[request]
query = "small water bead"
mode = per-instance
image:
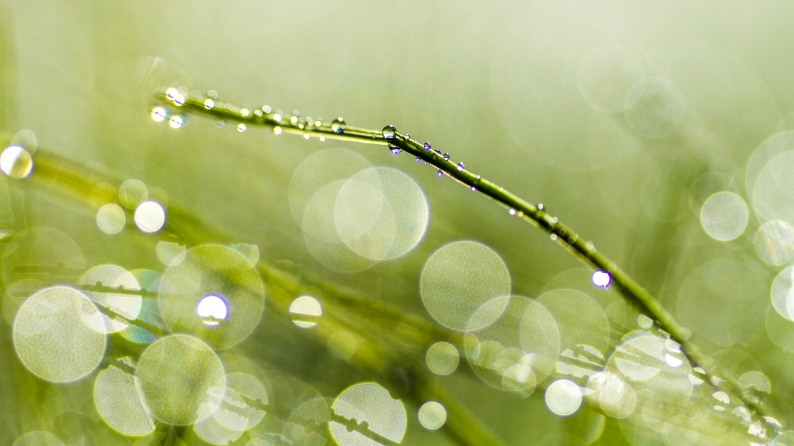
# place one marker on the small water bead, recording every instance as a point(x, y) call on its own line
point(440, 173)
point(229, 107)
point(171, 93)
point(176, 122)
point(306, 136)
point(16, 162)
point(446, 156)
point(212, 94)
point(395, 150)
point(432, 415)
point(338, 125)
point(426, 145)
point(293, 120)
point(209, 103)
point(179, 100)
point(553, 237)
point(213, 309)
point(418, 159)
point(601, 278)
point(244, 112)
point(278, 116)
point(277, 130)
point(389, 131)
point(158, 114)
point(220, 123)
point(266, 109)
point(541, 207)
point(474, 188)
point(511, 211)
point(241, 127)
point(461, 166)
point(407, 137)
point(322, 138)
point(258, 113)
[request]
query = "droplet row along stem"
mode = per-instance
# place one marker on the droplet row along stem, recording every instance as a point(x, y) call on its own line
point(634, 293)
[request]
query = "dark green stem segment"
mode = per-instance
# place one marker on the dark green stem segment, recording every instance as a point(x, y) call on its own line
point(633, 292)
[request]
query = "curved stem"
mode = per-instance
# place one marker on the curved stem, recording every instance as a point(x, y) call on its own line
point(633, 292)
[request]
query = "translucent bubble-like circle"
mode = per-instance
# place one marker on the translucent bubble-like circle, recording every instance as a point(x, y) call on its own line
point(55, 334)
point(111, 219)
point(563, 397)
point(38, 438)
point(432, 415)
point(176, 374)
point(371, 403)
point(606, 75)
point(149, 216)
point(723, 300)
point(317, 171)
point(305, 310)
point(118, 403)
point(222, 272)
point(785, 438)
point(658, 107)
point(774, 242)
point(724, 216)
point(125, 304)
point(615, 396)
point(381, 213)
point(458, 278)
point(771, 148)
point(442, 358)
point(132, 193)
point(772, 191)
point(225, 425)
point(16, 162)
point(782, 293)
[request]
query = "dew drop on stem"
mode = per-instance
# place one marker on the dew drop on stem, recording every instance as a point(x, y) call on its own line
point(389, 131)
point(338, 125)
point(446, 156)
point(426, 145)
point(440, 173)
point(461, 166)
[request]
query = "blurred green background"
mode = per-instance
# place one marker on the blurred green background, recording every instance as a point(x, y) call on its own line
point(623, 118)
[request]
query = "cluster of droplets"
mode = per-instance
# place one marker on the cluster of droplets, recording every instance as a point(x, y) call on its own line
point(390, 133)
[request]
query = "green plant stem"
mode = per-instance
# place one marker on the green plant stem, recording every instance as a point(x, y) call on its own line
point(636, 295)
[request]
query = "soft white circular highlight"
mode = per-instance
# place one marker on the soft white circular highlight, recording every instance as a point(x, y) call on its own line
point(601, 278)
point(56, 337)
point(371, 403)
point(563, 397)
point(432, 415)
point(442, 358)
point(111, 219)
point(724, 216)
point(213, 309)
point(118, 403)
point(460, 277)
point(305, 311)
point(16, 162)
point(150, 216)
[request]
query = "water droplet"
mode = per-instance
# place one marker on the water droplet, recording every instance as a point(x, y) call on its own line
point(306, 136)
point(590, 246)
point(322, 138)
point(338, 125)
point(511, 211)
point(16, 162)
point(407, 137)
point(440, 173)
point(229, 107)
point(179, 100)
point(244, 112)
point(258, 112)
point(541, 207)
point(554, 219)
point(209, 103)
point(241, 127)
point(389, 131)
point(601, 278)
point(158, 114)
point(277, 130)
point(220, 123)
point(426, 145)
point(461, 166)
point(266, 109)
point(279, 115)
point(176, 122)
point(293, 120)
point(520, 213)
point(446, 156)
point(296, 113)
point(553, 237)
point(212, 94)
point(418, 159)
point(474, 188)
point(394, 149)
point(171, 93)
